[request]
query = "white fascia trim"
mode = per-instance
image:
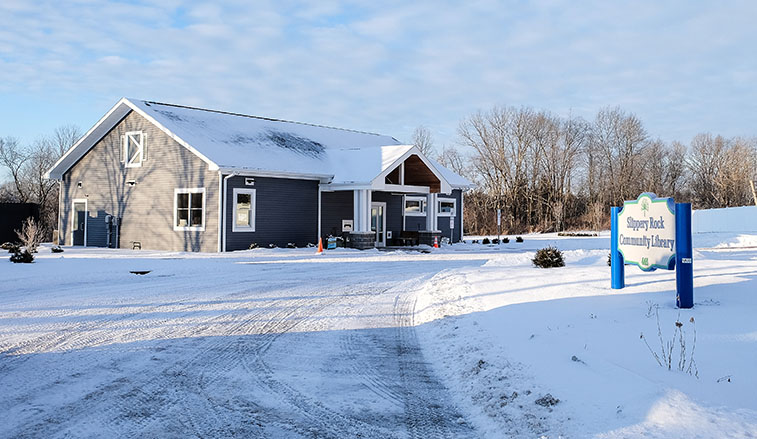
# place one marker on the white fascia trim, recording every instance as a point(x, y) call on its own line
point(212, 166)
point(194, 190)
point(323, 178)
point(331, 187)
point(445, 186)
point(401, 188)
point(51, 173)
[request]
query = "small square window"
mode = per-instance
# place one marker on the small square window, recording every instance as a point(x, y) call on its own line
point(244, 210)
point(447, 207)
point(189, 209)
point(415, 206)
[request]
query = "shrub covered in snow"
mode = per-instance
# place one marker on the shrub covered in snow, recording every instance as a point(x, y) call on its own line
point(30, 235)
point(548, 257)
point(253, 246)
point(22, 255)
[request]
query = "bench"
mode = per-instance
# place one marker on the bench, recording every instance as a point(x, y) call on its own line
point(407, 238)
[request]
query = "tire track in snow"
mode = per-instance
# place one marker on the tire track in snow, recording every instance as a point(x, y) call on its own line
point(322, 421)
point(427, 408)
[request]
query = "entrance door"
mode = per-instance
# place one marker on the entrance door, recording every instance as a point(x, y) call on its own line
point(378, 223)
point(79, 223)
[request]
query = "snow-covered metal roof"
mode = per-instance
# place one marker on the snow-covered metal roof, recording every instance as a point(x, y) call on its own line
point(236, 142)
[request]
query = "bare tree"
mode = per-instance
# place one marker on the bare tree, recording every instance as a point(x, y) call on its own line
point(27, 167)
point(64, 137)
point(13, 158)
point(454, 160)
point(423, 139)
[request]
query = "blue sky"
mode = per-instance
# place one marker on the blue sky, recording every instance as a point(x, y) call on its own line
point(682, 66)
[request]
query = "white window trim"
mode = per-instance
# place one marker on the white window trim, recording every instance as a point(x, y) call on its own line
point(176, 192)
point(253, 203)
point(138, 138)
point(423, 206)
point(446, 200)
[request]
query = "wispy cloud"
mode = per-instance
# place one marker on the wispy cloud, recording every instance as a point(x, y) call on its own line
point(682, 66)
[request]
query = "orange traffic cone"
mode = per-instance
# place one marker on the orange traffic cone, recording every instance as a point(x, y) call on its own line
point(320, 246)
point(436, 242)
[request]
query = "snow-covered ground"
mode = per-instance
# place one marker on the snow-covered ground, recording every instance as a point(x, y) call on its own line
point(505, 334)
point(460, 342)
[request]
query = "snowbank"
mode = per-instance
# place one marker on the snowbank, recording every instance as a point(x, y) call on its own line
point(731, 219)
point(506, 335)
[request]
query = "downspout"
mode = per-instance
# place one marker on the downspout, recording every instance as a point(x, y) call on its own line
point(60, 210)
point(220, 210)
point(319, 210)
point(223, 211)
point(462, 209)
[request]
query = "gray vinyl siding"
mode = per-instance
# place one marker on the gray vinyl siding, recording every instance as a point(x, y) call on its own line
point(147, 208)
point(286, 211)
point(335, 207)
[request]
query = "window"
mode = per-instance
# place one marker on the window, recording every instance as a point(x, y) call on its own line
point(415, 206)
point(244, 210)
point(133, 149)
point(447, 207)
point(189, 209)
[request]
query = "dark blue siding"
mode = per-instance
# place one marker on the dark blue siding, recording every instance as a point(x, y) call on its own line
point(415, 223)
point(286, 211)
point(335, 207)
point(443, 221)
point(393, 211)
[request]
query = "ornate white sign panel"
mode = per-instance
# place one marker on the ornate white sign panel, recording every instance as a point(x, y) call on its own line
point(647, 232)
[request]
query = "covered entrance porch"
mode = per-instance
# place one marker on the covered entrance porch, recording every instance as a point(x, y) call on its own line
point(400, 207)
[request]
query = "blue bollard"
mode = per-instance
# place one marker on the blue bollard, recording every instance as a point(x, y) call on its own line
point(618, 277)
point(684, 257)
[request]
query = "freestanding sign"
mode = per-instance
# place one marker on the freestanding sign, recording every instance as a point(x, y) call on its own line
point(647, 232)
point(652, 233)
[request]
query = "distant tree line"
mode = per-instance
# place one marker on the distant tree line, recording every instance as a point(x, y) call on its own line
point(545, 172)
point(26, 165)
point(552, 173)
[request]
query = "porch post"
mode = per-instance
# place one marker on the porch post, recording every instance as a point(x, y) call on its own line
point(427, 236)
point(361, 235)
point(431, 218)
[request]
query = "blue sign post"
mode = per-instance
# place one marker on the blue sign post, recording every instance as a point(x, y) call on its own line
point(616, 259)
point(653, 233)
point(684, 257)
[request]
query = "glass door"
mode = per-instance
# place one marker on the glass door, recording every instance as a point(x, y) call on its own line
point(378, 223)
